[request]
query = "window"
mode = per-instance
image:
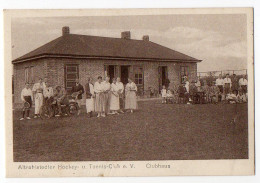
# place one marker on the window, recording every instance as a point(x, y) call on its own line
point(138, 73)
point(71, 74)
point(29, 74)
point(184, 73)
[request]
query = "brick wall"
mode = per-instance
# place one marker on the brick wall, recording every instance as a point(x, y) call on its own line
point(39, 71)
point(53, 69)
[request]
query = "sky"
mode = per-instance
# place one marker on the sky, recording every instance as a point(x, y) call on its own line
point(219, 40)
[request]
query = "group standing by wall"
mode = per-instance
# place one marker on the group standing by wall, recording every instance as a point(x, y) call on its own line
point(103, 98)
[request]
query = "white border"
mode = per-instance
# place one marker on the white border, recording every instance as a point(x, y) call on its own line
point(137, 4)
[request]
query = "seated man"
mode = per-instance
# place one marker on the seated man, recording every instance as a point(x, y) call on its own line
point(183, 94)
point(193, 92)
point(241, 97)
point(60, 96)
point(231, 98)
point(214, 94)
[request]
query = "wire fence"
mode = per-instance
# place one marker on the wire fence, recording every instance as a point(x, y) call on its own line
point(223, 72)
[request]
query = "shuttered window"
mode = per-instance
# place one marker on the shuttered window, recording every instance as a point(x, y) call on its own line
point(71, 74)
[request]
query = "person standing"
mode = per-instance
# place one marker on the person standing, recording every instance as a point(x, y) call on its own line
point(114, 99)
point(80, 90)
point(130, 96)
point(26, 96)
point(89, 89)
point(47, 93)
point(235, 85)
point(243, 84)
point(38, 95)
point(220, 83)
point(120, 87)
point(99, 99)
point(227, 84)
point(106, 96)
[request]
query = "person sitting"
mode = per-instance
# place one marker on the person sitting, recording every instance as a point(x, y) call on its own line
point(61, 98)
point(183, 94)
point(231, 98)
point(164, 94)
point(241, 97)
point(198, 85)
point(214, 94)
point(193, 92)
point(206, 90)
point(169, 97)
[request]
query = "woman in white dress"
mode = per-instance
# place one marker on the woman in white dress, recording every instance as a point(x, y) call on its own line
point(130, 96)
point(114, 100)
point(99, 100)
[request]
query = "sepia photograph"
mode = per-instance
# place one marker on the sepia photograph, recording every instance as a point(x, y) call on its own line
point(130, 88)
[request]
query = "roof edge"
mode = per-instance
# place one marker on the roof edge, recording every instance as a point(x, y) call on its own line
point(99, 57)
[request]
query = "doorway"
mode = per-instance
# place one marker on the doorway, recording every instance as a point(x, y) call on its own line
point(124, 74)
point(111, 72)
point(163, 77)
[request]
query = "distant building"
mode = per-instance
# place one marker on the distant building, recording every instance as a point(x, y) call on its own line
point(73, 56)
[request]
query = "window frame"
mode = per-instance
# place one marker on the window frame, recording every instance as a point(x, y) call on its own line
point(138, 73)
point(29, 74)
point(66, 72)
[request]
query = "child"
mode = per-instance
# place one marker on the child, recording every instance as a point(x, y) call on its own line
point(169, 97)
point(164, 94)
point(241, 97)
point(231, 98)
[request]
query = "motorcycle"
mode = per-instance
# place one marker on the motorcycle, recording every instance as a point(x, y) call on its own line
point(51, 109)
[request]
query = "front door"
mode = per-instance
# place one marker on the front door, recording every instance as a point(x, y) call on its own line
point(124, 73)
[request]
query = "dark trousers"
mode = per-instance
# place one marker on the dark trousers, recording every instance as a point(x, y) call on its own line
point(27, 110)
point(220, 88)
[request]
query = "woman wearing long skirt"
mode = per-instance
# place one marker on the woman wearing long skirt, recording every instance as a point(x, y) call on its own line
point(99, 99)
point(130, 96)
point(114, 100)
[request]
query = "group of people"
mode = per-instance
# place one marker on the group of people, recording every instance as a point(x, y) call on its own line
point(229, 90)
point(103, 97)
point(106, 98)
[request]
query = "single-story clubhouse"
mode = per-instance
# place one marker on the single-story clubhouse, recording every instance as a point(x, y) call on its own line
point(73, 56)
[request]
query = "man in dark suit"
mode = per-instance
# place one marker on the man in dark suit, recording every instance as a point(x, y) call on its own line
point(78, 88)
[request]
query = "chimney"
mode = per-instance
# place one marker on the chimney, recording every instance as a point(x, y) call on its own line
point(65, 30)
point(126, 35)
point(145, 38)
